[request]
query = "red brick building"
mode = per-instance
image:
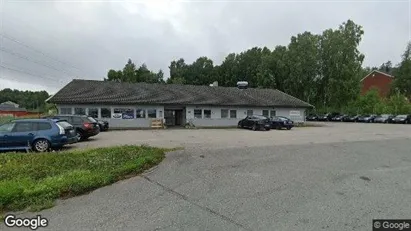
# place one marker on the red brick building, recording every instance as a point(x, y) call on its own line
point(379, 80)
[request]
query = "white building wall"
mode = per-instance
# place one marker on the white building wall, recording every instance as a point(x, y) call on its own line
point(297, 115)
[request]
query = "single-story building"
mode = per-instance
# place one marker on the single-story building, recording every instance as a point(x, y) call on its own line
point(135, 105)
point(13, 110)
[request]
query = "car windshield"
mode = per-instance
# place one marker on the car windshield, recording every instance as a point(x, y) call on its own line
point(401, 116)
point(6, 127)
point(92, 119)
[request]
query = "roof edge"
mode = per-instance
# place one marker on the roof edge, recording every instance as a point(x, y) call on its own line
point(391, 76)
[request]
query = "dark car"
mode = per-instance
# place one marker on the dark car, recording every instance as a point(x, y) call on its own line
point(402, 119)
point(327, 116)
point(255, 122)
point(85, 126)
point(312, 117)
point(367, 118)
point(339, 118)
point(39, 135)
point(280, 122)
point(104, 125)
point(324, 117)
point(351, 118)
point(384, 118)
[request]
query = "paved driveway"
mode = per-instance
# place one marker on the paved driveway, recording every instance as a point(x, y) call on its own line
point(334, 178)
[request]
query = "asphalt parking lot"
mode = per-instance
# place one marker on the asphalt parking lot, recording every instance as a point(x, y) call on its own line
point(232, 138)
point(337, 177)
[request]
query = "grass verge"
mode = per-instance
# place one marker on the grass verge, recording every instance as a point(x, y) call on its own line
point(35, 181)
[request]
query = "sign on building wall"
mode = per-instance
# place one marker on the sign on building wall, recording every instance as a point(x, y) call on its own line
point(295, 113)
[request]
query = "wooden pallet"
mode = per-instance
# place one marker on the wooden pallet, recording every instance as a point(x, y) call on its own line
point(157, 123)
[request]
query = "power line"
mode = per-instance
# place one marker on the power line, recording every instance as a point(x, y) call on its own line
point(36, 50)
point(28, 73)
point(28, 59)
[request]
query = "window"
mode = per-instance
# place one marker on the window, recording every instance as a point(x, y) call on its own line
point(65, 111)
point(233, 114)
point(265, 113)
point(207, 114)
point(105, 113)
point(43, 126)
point(23, 127)
point(79, 111)
point(123, 113)
point(93, 112)
point(198, 114)
point(6, 127)
point(64, 124)
point(77, 120)
point(273, 113)
point(152, 113)
point(224, 113)
point(140, 113)
point(249, 112)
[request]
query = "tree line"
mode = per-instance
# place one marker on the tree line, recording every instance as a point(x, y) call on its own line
point(31, 100)
point(323, 69)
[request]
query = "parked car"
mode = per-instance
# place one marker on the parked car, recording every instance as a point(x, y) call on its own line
point(280, 122)
point(384, 118)
point(85, 126)
point(367, 118)
point(104, 125)
point(402, 119)
point(255, 122)
point(312, 117)
point(328, 116)
point(39, 135)
point(351, 118)
point(339, 118)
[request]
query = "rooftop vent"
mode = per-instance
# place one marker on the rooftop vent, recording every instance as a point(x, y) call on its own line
point(242, 85)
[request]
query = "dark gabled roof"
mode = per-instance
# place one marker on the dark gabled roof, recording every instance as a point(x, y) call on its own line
point(106, 92)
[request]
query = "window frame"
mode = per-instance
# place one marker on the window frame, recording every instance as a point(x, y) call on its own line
point(82, 108)
point(204, 113)
point(148, 113)
point(108, 110)
point(230, 114)
point(268, 113)
point(66, 108)
point(271, 113)
point(141, 110)
point(250, 114)
point(196, 116)
point(17, 123)
point(227, 115)
point(92, 108)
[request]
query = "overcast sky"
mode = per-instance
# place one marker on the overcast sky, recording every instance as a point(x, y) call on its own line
point(46, 43)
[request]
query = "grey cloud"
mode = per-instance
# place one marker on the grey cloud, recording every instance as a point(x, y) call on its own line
point(95, 37)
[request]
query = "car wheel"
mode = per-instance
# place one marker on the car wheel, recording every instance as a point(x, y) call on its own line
point(239, 125)
point(254, 128)
point(267, 129)
point(288, 128)
point(79, 136)
point(41, 145)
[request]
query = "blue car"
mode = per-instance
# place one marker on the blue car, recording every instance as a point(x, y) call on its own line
point(39, 135)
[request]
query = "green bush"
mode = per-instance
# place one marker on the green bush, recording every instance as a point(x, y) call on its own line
point(35, 181)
